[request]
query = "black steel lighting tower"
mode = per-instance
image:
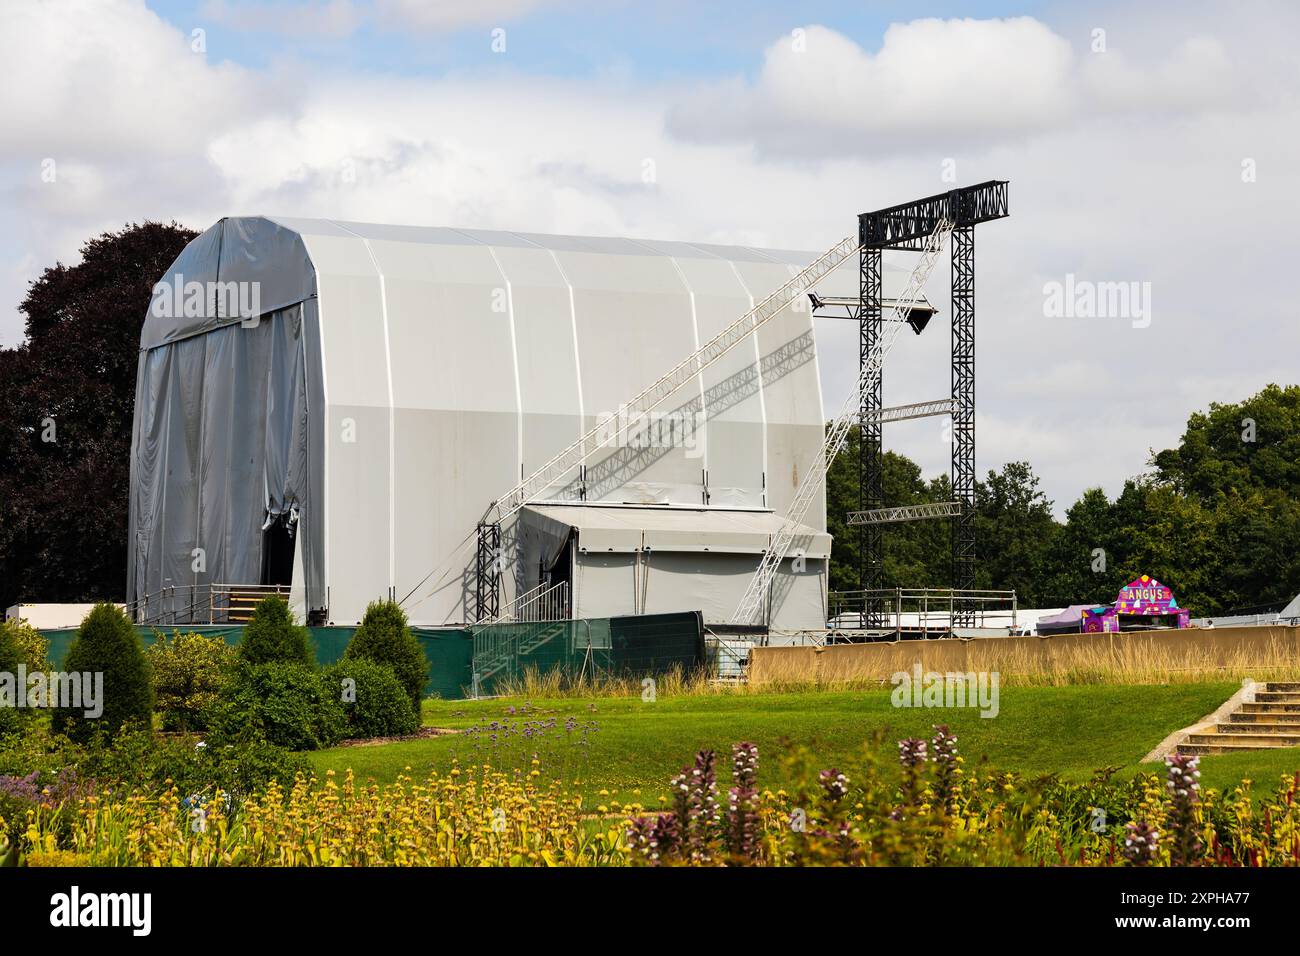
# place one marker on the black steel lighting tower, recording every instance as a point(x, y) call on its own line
point(906, 226)
point(871, 492)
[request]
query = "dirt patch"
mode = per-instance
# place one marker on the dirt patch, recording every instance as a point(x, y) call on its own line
point(421, 734)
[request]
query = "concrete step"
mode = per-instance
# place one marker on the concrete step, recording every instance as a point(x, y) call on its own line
point(1237, 729)
point(1269, 707)
point(1205, 750)
point(1286, 685)
point(1277, 697)
point(1289, 717)
point(1246, 740)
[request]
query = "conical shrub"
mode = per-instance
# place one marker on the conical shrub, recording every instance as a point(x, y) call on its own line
point(385, 638)
point(107, 643)
point(273, 635)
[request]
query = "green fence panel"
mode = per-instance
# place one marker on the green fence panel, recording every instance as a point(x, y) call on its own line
point(600, 647)
point(657, 643)
point(449, 650)
point(645, 645)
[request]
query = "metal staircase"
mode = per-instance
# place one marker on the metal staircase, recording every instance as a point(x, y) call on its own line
point(526, 625)
point(753, 606)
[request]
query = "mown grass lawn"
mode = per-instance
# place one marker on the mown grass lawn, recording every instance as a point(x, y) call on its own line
point(1068, 730)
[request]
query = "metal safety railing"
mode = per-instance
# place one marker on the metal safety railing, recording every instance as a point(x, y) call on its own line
point(201, 603)
point(921, 611)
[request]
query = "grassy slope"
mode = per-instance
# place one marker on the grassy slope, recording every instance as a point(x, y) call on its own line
point(1072, 730)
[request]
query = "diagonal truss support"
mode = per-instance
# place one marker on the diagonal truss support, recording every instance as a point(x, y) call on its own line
point(937, 509)
point(754, 604)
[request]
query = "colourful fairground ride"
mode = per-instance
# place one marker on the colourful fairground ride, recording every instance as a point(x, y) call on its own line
point(1142, 605)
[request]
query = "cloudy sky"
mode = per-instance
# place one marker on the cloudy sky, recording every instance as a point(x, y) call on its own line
point(1158, 146)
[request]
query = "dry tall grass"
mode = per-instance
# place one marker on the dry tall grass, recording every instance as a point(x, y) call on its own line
point(1018, 665)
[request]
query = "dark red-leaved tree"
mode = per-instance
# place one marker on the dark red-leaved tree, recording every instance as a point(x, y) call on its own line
point(66, 398)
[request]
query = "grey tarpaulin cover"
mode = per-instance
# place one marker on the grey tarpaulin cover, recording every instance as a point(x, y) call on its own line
point(221, 440)
point(400, 378)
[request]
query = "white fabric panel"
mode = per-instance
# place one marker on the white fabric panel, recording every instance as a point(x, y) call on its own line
point(546, 354)
point(731, 443)
point(799, 597)
point(634, 324)
point(357, 480)
point(605, 585)
point(791, 392)
point(712, 584)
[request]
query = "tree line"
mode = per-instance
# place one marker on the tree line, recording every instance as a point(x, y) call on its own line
point(1216, 518)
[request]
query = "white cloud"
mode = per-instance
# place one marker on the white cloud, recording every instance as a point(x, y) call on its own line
point(1148, 190)
point(939, 82)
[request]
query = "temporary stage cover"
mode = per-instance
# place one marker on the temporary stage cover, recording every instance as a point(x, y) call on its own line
point(335, 404)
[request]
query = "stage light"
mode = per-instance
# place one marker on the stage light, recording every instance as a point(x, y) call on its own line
point(918, 319)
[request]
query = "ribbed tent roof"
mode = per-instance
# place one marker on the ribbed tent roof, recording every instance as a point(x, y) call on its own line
point(269, 250)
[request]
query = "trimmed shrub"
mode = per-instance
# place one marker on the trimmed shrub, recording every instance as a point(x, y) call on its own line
point(194, 766)
point(287, 704)
point(107, 643)
point(374, 701)
point(11, 655)
point(32, 647)
point(273, 635)
point(189, 672)
point(385, 638)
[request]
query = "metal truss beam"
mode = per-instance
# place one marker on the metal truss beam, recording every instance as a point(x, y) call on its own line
point(849, 307)
point(938, 509)
point(871, 492)
point(902, 413)
point(487, 572)
point(906, 225)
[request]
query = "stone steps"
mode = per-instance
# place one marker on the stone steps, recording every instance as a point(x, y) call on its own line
point(1271, 722)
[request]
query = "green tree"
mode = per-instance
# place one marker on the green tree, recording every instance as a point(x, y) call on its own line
point(66, 398)
point(916, 554)
point(385, 638)
point(1084, 561)
point(189, 672)
point(375, 702)
point(273, 634)
point(31, 646)
point(1252, 444)
point(106, 643)
point(1013, 519)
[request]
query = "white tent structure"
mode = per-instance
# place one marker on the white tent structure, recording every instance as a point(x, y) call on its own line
point(333, 405)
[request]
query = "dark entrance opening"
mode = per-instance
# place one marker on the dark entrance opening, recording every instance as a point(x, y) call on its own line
point(562, 569)
point(278, 542)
